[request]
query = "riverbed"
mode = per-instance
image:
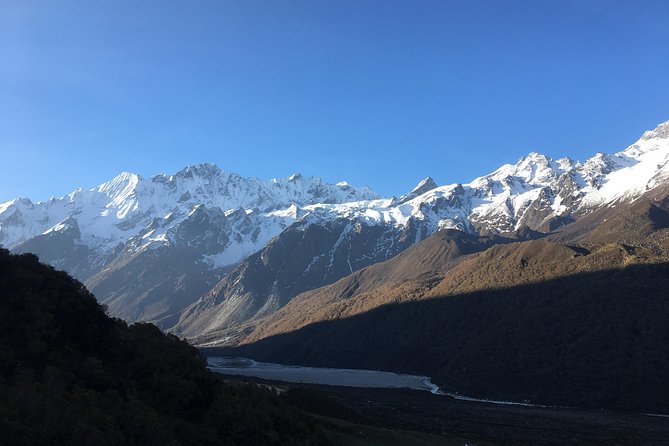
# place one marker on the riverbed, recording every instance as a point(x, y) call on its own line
point(319, 375)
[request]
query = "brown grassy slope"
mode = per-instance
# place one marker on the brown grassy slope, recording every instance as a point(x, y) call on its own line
point(402, 278)
point(535, 262)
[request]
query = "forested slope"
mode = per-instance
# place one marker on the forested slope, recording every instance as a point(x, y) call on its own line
point(69, 374)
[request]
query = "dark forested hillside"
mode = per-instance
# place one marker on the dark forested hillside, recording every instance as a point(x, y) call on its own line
point(69, 374)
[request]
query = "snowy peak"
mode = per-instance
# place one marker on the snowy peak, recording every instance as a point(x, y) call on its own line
point(202, 170)
point(121, 208)
point(532, 192)
point(651, 141)
point(566, 163)
point(660, 132)
point(534, 169)
point(123, 184)
point(537, 192)
point(426, 185)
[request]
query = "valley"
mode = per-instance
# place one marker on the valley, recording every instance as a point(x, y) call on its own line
point(213, 256)
point(334, 223)
point(542, 283)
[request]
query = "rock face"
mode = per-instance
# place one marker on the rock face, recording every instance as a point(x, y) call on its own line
point(305, 256)
point(209, 254)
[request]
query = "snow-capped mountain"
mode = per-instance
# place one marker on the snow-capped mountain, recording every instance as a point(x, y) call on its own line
point(121, 208)
point(170, 232)
point(535, 195)
point(207, 252)
point(537, 192)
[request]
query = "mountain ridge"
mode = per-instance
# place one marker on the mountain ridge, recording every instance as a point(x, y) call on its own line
point(528, 199)
point(181, 234)
point(178, 234)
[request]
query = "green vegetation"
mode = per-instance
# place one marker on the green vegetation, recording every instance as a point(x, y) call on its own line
point(69, 374)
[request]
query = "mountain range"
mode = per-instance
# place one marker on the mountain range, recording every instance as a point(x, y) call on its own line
point(220, 258)
point(148, 247)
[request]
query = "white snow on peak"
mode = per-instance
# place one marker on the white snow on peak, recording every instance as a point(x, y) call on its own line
point(531, 191)
point(533, 169)
point(425, 182)
point(566, 163)
point(63, 225)
point(424, 186)
point(252, 211)
point(121, 208)
point(659, 132)
point(639, 168)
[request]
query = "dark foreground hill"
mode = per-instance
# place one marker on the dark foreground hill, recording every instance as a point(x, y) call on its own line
point(69, 374)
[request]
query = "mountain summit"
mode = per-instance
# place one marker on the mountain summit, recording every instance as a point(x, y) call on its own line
point(425, 185)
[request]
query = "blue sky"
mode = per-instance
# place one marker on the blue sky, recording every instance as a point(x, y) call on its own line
point(376, 92)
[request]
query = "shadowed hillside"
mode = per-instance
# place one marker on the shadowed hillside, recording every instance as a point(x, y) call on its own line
point(69, 374)
point(594, 339)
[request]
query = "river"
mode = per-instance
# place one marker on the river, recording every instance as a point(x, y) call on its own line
point(319, 375)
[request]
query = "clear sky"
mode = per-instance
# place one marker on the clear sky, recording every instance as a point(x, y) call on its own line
point(376, 92)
